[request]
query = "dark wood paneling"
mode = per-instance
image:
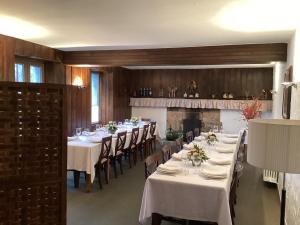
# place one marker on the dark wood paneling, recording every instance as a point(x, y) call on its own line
point(209, 55)
point(78, 100)
point(12, 47)
point(210, 81)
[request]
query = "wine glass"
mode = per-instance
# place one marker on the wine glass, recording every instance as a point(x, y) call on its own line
point(97, 126)
point(78, 131)
point(215, 129)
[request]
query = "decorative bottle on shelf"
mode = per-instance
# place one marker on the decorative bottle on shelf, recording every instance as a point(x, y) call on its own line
point(150, 92)
point(141, 92)
point(144, 92)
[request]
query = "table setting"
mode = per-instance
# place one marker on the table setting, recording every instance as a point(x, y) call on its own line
point(199, 176)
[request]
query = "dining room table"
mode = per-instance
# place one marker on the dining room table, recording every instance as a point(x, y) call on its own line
point(199, 193)
point(83, 150)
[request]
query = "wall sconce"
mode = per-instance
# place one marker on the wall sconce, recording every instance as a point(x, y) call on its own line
point(78, 82)
point(289, 84)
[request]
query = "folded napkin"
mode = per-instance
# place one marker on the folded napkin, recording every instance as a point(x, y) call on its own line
point(220, 160)
point(229, 140)
point(176, 156)
point(188, 146)
point(224, 149)
point(204, 134)
point(215, 172)
point(163, 168)
point(199, 138)
point(87, 133)
point(72, 138)
point(94, 139)
point(231, 135)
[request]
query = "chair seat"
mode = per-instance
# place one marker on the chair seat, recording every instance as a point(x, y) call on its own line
point(119, 153)
point(103, 160)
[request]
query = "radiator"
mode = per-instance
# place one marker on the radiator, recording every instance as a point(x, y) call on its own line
point(270, 176)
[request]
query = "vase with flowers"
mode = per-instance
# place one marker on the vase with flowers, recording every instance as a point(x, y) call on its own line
point(112, 127)
point(211, 138)
point(134, 120)
point(197, 155)
point(252, 110)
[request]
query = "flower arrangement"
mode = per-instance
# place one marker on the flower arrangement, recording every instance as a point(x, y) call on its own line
point(197, 155)
point(134, 120)
point(211, 138)
point(252, 110)
point(111, 127)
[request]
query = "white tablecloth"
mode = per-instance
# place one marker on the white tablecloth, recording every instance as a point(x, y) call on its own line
point(84, 154)
point(189, 196)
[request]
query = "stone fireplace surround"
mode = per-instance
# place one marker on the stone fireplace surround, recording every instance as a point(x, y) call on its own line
point(226, 111)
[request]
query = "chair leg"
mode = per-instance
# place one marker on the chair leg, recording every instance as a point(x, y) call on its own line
point(98, 168)
point(106, 171)
point(142, 151)
point(114, 163)
point(76, 175)
point(129, 158)
point(120, 163)
point(135, 155)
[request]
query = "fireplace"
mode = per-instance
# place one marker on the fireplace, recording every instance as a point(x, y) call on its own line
point(186, 119)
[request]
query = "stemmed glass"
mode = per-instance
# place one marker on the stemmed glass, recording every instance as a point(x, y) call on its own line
point(78, 131)
point(215, 129)
point(185, 164)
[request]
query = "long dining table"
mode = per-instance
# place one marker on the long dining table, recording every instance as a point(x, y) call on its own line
point(83, 151)
point(188, 194)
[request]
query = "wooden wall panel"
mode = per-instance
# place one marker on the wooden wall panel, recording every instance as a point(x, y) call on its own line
point(208, 55)
point(78, 100)
point(210, 81)
point(11, 47)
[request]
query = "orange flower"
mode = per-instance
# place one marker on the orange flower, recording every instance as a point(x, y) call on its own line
point(253, 110)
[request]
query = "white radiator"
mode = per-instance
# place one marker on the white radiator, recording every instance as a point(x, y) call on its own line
point(270, 176)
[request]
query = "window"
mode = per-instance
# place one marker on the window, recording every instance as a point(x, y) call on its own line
point(19, 72)
point(95, 78)
point(28, 70)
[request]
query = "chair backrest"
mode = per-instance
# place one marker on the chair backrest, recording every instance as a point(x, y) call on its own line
point(152, 129)
point(134, 136)
point(151, 163)
point(145, 132)
point(196, 132)
point(166, 152)
point(189, 136)
point(121, 140)
point(179, 144)
point(105, 147)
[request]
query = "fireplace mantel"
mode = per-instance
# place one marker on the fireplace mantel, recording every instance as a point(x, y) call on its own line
point(197, 103)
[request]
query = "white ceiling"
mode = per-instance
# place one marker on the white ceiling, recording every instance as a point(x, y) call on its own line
point(125, 24)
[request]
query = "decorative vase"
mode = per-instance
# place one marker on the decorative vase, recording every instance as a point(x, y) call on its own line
point(196, 162)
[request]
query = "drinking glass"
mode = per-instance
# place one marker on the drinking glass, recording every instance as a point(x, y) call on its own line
point(78, 131)
point(119, 123)
point(215, 129)
point(221, 129)
point(97, 126)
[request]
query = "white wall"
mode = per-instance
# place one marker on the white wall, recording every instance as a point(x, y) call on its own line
point(157, 114)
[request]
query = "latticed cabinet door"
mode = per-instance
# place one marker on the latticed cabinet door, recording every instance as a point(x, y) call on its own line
point(32, 154)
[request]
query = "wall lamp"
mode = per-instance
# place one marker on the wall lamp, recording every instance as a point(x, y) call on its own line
point(78, 82)
point(289, 84)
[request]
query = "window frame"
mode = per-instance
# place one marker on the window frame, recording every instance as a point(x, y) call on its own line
point(27, 63)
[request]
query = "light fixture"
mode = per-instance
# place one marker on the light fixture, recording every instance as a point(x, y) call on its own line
point(289, 84)
point(274, 144)
point(78, 82)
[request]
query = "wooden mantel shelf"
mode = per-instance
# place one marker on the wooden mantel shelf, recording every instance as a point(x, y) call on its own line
point(197, 103)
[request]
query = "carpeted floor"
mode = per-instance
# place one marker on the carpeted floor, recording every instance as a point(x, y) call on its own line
point(118, 203)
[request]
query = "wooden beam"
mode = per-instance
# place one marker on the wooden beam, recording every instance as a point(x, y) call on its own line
point(208, 55)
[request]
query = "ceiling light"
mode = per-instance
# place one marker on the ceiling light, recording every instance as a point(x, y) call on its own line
point(19, 28)
point(259, 15)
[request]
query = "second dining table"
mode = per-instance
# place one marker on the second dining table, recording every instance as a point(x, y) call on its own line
point(83, 151)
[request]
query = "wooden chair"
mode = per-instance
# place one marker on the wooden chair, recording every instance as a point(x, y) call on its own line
point(152, 141)
point(131, 151)
point(103, 161)
point(196, 132)
point(119, 152)
point(179, 144)
point(166, 152)
point(151, 163)
point(232, 196)
point(189, 136)
point(144, 143)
